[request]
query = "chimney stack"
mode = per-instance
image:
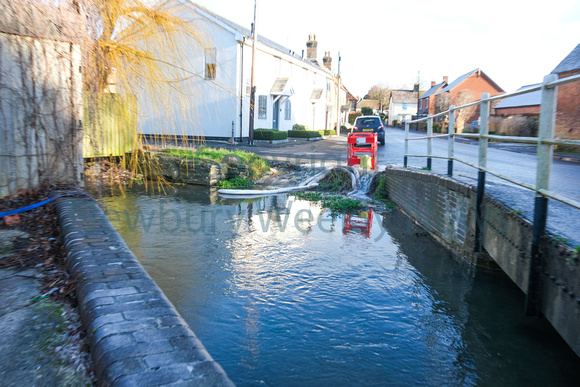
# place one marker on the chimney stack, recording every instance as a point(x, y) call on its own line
point(311, 48)
point(327, 60)
point(445, 79)
point(433, 83)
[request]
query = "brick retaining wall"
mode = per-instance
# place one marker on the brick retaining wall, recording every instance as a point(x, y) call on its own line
point(446, 209)
point(443, 207)
point(136, 335)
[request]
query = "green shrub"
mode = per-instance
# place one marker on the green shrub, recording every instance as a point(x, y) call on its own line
point(366, 111)
point(269, 134)
point(327, 132)
point(236, 182)
point(352, 116)
point(303, 133)
point(300, 127)
point(382, 193)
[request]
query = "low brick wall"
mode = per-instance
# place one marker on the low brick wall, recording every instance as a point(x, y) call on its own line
point(446, 209)
point(443, 207)
point(136, 336)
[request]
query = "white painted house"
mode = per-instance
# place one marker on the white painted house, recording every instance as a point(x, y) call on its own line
point(290, 89)
point(402, 105)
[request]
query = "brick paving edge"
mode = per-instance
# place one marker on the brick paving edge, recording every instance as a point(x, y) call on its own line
point(136, 335)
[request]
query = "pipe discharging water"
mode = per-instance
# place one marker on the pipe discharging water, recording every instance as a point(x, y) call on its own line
point(360, 184)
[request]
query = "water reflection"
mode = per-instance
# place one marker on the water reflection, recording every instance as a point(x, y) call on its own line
point(361, 222)
point(283, 292)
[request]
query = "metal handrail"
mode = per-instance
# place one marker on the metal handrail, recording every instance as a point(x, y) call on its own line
point(544, 142)
point(484, 137)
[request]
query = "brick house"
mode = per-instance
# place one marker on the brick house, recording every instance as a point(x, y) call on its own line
point(568, 112)
point(427, 100)
point(467, 88)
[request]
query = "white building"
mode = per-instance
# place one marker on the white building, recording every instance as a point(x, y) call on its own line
point(290, 89)
point(402, 106)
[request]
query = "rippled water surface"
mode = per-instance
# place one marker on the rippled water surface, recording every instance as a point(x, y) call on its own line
point(282, 292)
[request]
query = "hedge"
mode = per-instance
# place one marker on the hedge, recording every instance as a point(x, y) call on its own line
point(304, 133)
point(300, 127)
point(327, 132)
point(352, 116)
point(269, 134)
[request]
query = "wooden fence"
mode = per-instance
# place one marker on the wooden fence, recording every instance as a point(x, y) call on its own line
point(110, 125)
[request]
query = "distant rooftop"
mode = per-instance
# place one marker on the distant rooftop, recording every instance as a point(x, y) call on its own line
point(462, 78)
point(432, 90)
point(570, 62)
point(404, 96)
point(529, 99)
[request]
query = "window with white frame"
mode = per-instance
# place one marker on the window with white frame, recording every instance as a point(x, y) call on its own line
point(210, 63)
point(262, 107)
point(288, 110)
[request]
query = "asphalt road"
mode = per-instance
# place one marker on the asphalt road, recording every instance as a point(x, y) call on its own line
point(565, 178)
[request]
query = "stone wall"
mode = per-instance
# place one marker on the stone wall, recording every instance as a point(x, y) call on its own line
point(40, 95)
point(195, 171)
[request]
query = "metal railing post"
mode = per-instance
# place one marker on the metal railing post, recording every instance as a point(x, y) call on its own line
point(429, 141)
point(545, 154)
point(451, 143)
point(406, 151)
point(483, 131)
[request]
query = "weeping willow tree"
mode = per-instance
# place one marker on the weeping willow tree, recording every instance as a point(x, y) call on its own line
point(138, 41)
point(136, 48)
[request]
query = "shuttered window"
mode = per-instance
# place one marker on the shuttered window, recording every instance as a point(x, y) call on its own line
point(210, 63)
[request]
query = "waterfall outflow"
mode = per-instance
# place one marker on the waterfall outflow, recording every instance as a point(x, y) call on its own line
point(360, 183)
point(363, 186)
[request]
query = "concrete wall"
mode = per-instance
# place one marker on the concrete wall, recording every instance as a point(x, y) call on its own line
point(40, 96)
point(446, 209)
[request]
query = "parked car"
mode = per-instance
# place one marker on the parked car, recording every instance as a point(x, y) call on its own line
point(474, 125)
point(370, 124)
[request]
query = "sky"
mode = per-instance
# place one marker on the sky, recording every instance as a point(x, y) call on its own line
point(394, 43)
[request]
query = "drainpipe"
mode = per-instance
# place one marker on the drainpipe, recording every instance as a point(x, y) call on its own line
point(252, 79)
point(338, 99)
point(242, 86)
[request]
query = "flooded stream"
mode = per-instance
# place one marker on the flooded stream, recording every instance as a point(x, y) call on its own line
point(282, 292)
